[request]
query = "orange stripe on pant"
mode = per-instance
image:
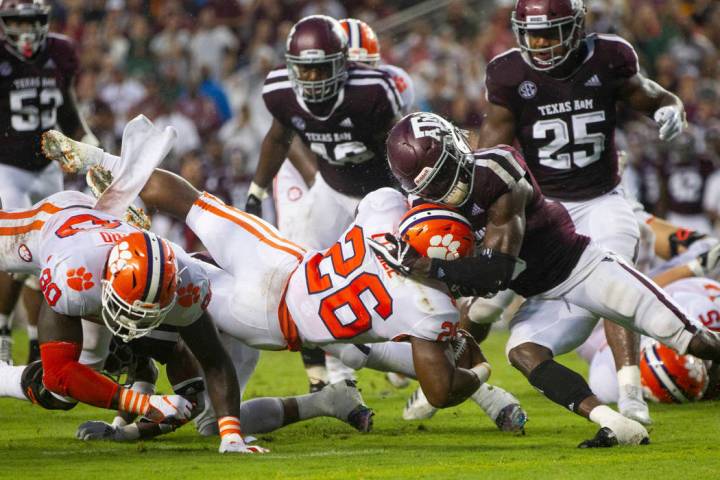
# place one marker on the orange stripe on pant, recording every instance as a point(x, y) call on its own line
point(268, 239)
point(45, 207)
point(287, 324)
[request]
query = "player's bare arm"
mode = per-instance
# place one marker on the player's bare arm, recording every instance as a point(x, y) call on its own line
point(506, 220)
point(648, 97)
point(203, 341)
point(498, 128)
point(444, 383)
point(70, 120)
point(273, 151)
point(169, 193)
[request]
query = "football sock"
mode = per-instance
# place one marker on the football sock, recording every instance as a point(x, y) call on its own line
point(316, 404)
point(32, 332)
point(10, 381)
point(4, 321)
point(493, 399)
point(391, 357)
point(261, 415)
point(560, 384)
point(629, 375)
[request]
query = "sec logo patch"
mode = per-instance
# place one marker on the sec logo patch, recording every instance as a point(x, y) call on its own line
point(527, 89)
point(25, 253)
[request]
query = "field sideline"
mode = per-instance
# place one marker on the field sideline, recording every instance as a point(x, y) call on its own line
point(457, 443)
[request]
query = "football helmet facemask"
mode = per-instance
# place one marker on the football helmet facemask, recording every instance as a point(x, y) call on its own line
point(139, 285)
point(24, 26)
point(431, 159)
point(561, 22)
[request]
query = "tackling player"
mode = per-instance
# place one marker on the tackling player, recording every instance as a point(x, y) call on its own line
point(529, 244)
point(556, 95)
point(37, 75)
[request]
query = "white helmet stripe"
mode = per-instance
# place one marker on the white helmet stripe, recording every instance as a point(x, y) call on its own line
point(658, 368)
point(428, 214)
point(155, 267)
point(355, 39)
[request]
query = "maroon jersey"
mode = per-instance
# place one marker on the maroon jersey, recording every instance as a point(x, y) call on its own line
point(686, 183)
point(348, 142)
point(30, 95)
point(551, 247)
point(565, 127)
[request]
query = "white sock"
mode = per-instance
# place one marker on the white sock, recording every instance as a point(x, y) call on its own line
point(391, 357)
point(337, 370)
point(261, 415)
point(493, 399)
point(317, 374)
point(10, 381)
point(629, 375)
point(32, 332)
point(4, 320)
point(605, 416)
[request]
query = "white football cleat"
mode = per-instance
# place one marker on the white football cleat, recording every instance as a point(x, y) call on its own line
point(632, 404)
point(616, 429)
point(418, 407)
point(67, 152)
point(397, 380)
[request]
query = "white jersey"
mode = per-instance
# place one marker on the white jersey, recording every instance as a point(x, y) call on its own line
point(404, 84)
point(66, 242)
point(346, 294)
point(700, 297)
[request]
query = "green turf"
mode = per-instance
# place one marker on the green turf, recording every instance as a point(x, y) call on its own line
point(457, 443)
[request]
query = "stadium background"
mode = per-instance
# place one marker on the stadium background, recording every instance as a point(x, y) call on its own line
point(200, 64)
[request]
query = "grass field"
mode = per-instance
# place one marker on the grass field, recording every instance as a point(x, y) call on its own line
point(456, 443)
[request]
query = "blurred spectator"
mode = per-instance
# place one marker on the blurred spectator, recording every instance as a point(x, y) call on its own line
point(210, 42)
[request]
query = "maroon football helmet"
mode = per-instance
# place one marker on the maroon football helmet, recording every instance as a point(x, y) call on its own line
point(28, 27)
point(317, 43)
point(431, 158)
point(562, 20)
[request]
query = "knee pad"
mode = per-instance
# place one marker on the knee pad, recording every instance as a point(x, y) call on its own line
point(354, 356)
point(560, 384)
point(36, 392)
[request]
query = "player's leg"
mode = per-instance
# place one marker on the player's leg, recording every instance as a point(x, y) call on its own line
point(542, 329)
point(611, 223)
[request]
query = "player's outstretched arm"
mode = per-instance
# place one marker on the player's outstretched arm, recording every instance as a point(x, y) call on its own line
point(646, 96)
point(203, 341)
point(274, 150)
point(498, 128)
point(444, 383)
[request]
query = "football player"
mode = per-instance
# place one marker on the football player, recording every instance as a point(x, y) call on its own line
point(341, 112)
point(37, 74)
point(556, 95)
point(529, 244)
point(343, 298)
point(95, 266)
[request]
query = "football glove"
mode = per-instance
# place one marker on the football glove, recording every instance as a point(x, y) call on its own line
point(97, 430)
point(398, 255)
point(256, 194)
point(670, 121)
point(707, 264)
point(170, 409)
point(234, 443)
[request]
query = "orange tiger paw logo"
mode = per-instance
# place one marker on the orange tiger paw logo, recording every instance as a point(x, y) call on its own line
point(79, 279)
point(188, 295)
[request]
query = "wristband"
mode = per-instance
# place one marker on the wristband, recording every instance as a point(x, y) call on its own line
point(696, 268)
point(482, 371)
point(229, 426)
point(257, 191)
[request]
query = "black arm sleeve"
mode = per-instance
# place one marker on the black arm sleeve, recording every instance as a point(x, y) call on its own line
point(486, 273)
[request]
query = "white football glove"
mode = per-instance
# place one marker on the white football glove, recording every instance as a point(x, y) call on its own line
point(670, 121)
point(97, 430)
point(707, 264)
point(171, 409)
point(234, 443)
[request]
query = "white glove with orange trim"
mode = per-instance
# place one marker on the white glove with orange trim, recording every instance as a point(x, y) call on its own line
point(232, 440)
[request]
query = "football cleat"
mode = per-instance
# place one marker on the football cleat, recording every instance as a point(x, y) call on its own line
point(348, 406)
point(99, 179)
point(512, 418)
point(397, 380)
point(6, 342)
point(604, 438)
point(66, 151)
point(632, 405)
point(418, 407)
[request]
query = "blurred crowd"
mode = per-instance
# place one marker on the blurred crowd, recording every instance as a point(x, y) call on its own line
point(200, 64)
